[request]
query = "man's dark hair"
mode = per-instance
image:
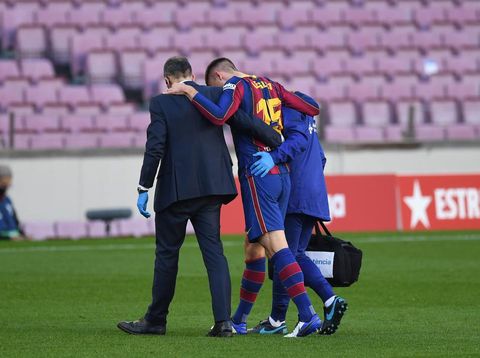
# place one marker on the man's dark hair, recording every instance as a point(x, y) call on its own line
point(221, 63)
point(177, 67)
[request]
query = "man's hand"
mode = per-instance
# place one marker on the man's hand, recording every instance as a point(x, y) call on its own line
point(182, 89)
point(142, 204)
point(263, 165)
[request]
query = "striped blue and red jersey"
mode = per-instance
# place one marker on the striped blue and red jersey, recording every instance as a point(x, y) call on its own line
point(258, 96)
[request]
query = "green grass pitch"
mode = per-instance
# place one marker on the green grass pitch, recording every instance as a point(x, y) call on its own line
point(418, 295)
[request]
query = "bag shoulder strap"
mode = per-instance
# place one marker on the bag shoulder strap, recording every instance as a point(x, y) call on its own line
point(324, 227)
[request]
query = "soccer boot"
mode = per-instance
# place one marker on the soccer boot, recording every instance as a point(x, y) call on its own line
point(333, 316)
point(142, 326)
point(221, 329)
point(303, 329)
point(240, 328)
point(265, 327)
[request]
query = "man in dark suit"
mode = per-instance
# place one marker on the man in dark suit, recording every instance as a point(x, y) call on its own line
point(194, 180)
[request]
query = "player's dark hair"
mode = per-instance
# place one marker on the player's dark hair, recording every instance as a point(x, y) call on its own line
point(217, 63)
point(177, 67)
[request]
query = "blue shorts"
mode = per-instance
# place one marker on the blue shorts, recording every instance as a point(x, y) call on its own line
point(265, 202)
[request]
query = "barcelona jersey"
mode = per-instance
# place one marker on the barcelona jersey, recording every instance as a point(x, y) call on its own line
point(258, 96)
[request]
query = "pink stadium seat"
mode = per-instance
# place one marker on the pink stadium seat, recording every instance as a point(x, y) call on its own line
point(107, 94)
point(48, 141)
point(365, 39)
point(394, 65)
point(329, 91)
point(139, 121)
point(332, 13)
point(471, 112)
point(299, 39)
point(81, 45)
point(467, 38)
point(60, 37)
point(161, 14)
point(41, 123)
point(134, 227)
point(116, 17)
point(22, 141)
point(303, 84)
point(191, 15)
point(131, 65)
point(73, 95)
point(116, 140)
point(81, 141)
point(101, 66)
point(8, 68)
point(189, 41)
point(360, 16)
point(327, 66)
point(360, 65)
point(34, 69)
point(111, 123)
point(294, 65)
point(84, 17)
point(342, 114)
point(264, 14)
point(339, 134)
point(9, 96)
point(430, 90)
point(31, 41)
point(71, 229)
point(444, 112)
point(55, 109)
point(398, 38)
point(405, 108)
point(77, 123)
point(54, 14)
point(433, 14)
point(124, 38)
point(87, 109)
point(463, 90)
point(262, 65)
point(121, 109)
point(466, 13)
point(461, 132)
point(362, 91)
point(153, 82)
point(13, 17)
point(402, 87)
point(394, 15)
point(226, 39)
point(139, 139)
point(427, 40)
point(39, 230)
point(334, 37)
point(200, 60)
point(56, 82)
point(376, 113)
point(292, 18)
point(21, 109)
point(41, 95)
point(224, 17)
point(429, 133)
point(96, 229)
point(395, 133)
point(369, 134)
point(466, 63)
point(260, 39)
point(157, 38)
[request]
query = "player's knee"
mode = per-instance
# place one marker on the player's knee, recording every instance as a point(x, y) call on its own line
point(254, 252)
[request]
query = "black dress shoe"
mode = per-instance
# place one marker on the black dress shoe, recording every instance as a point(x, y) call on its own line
point(142, 326)
point(221, 329)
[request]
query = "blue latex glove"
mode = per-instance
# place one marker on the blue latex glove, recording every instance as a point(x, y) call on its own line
point(142, 204)
point(263, 165)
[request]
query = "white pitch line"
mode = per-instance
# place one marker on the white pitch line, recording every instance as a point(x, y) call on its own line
point(239, 243)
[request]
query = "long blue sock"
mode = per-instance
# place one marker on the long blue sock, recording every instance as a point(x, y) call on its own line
point(252, 281)
point(314, 278)
point(280, 299)
point(291, 277)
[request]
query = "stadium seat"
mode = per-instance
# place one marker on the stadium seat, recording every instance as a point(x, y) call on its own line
point(60, 39)
point(96, 229)
point(334, 37)
point(299, 63)
point(53, 14)
point(73, 95)
point(429, 133)
point(471, 112)
point(260, 39)
point(435, 13)
point(121, 109)
point(71, 229)
point(376, 114)
point(139, 121)
point(77, 123)
point(126, 37)
point(262, 65)
point(133, 227)
point(56, 109)
point(188, 41)
point(88, 109)
point(14, 17)
point(369, 134)
point(393, 65)
point(111, 123)
point(48, 141)
point(8, 96)
point(466, 38)
point(40, 124)
point(405, 109)
point(34, 69)
point(398, 38)
point(290, 19)
point(342, 114)
point(224, 17)
point(200, 60)
point(332, 13)
point(444, 112)
point(84, 16)
point(21, 109)
point(299, 39)
point(462, 132)
point(226, 39)
point(363, 90)
point(339, 134)
point(41, 95)
point(39, 230)
point(116, 140)
point(191, 15)
point(8, 68)
point(392, 16)
point(82, 141)
point(81, 45)
point(116, 17)
point(31, 41)
point(359, 16)
point(364, 39)
point(333, 90)
point(264, 14)
point(101, 66)
point(22, 141)
point(157, 38)
point(107, 94)
point(466, 13)
point(402, 87)
point(466, 63)
point(160, 14)
point(329, 65)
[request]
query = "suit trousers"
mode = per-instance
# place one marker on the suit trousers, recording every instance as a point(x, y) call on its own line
point(170, 228)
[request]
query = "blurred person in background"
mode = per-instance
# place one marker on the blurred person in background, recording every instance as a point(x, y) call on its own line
point(9, 224)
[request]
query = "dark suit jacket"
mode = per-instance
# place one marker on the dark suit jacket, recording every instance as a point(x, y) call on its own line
point(195, 159)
